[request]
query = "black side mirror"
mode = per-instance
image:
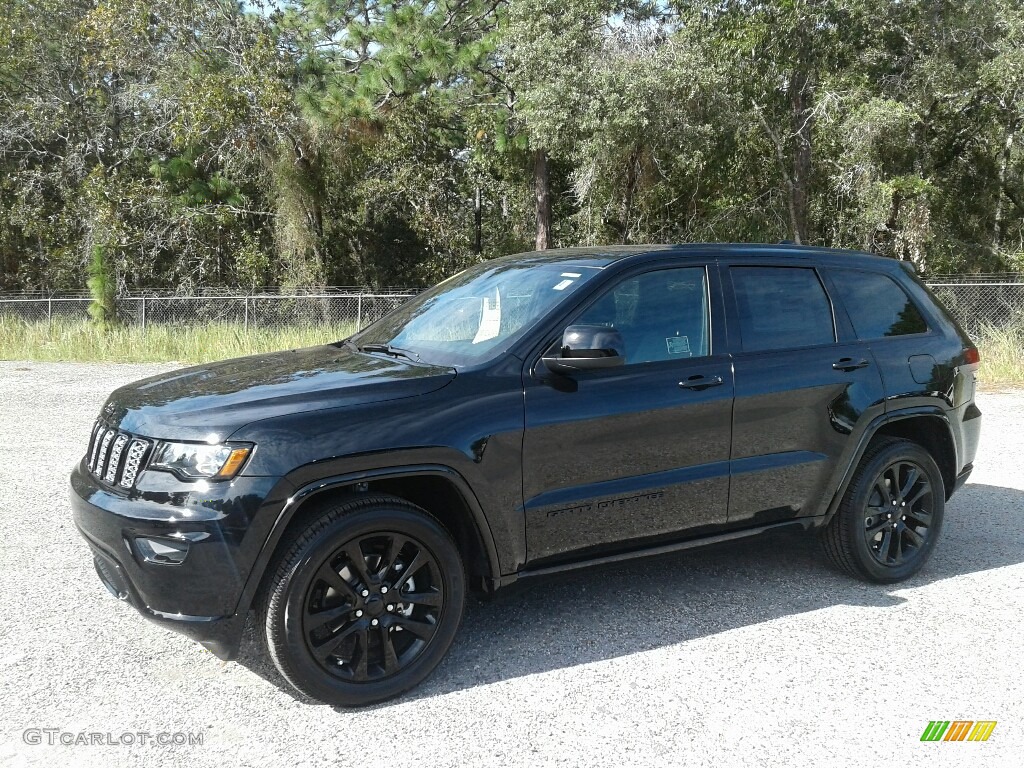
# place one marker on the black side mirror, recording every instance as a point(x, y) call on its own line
point(586, 347)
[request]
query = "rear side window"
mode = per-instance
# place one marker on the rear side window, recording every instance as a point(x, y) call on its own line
point(781, 307)
point(877, 305)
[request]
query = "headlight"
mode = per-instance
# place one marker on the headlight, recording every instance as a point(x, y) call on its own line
point(195, 460)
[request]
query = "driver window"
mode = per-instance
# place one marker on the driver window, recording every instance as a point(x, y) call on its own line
point(662, 315)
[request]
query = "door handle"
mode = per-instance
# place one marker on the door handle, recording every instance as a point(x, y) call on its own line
point(701, 382)
point(849, 364)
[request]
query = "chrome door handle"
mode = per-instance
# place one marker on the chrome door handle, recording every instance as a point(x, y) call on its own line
point(701, 382)
point(849, 364)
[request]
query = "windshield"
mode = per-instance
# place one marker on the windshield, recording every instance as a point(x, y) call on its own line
point(475, 315)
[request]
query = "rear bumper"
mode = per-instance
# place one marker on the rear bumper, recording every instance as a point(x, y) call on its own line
point(213, 536)
point(965, 473)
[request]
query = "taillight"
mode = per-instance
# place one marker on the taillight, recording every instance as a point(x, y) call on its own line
point(971, 358)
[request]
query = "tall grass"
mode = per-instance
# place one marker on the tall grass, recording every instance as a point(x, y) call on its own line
point(1002, 348)
point(1002, 355)
point(85, 342)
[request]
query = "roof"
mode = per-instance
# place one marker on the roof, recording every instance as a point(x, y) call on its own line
point(605, 255)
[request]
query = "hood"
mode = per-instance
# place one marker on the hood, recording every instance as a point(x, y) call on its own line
point(219, 398)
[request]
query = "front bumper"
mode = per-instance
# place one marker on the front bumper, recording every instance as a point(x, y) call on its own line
point(214, 532)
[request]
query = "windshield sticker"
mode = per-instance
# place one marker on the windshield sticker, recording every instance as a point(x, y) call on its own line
point(563, 285)
point(490, 319)
point(678, 345)
point(571, 274)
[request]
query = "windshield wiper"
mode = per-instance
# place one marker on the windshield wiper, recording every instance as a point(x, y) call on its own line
point(387, 349)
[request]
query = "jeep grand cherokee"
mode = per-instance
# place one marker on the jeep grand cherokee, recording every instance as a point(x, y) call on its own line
point(532, 414)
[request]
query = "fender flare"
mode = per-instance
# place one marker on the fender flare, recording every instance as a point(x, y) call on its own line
point(310, 490)
point(931, 411)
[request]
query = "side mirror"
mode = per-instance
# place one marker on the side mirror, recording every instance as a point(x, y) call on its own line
point(587, 347)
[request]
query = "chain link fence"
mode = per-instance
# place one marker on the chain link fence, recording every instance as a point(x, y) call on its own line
point(250, 311)
point(977, 301)
point(982, 301)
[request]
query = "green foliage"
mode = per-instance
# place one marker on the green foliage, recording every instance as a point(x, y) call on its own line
point(206, 142)
point(103, 288)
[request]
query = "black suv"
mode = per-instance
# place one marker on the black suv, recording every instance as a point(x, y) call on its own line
point(532, 414)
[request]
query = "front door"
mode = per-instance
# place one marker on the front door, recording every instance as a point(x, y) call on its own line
point(614, 457)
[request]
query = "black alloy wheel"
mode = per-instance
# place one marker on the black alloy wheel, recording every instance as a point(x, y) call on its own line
point(890, 517)
point(373, 606)
point(364, 601)
point(898, 516)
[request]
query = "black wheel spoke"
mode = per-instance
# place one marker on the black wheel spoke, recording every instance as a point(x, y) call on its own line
point(921, 517)
point(316, 620)
point(391, 662)
point(897, 546)
point(923, 491)
point(417, 562)
point(331, 578)
point(913, 475)
point(394, 549)
point(328, 647)
point(422, 598)
point(881, 525)
point(356, 558)
point(421, 629)
point(915, 539)
point(362, 664)
point(883, 490)
point(883, 548)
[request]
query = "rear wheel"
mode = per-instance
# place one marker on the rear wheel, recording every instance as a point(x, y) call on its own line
point(890, 518)
point(365, 601)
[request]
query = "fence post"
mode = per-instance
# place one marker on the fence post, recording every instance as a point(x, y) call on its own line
point(143, 314)
point(245, 327)
point(49, 312)
point(359, 313)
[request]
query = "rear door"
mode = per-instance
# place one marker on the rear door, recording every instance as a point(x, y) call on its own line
point(617, 456)
point(803, 383)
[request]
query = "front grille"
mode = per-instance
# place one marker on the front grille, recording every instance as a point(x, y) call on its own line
point(115, 457)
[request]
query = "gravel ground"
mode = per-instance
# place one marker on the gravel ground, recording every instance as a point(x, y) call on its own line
point(750, 653)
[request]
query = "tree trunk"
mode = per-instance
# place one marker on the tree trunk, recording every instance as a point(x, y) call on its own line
point(803, 117)
point(478, 220)
point(542, 195)
point(1004, 161)
point(632, 173)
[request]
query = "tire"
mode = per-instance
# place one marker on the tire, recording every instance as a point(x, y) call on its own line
point(884, 536)
point(374, 629)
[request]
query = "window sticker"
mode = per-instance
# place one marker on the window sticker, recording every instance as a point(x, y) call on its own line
point(490, 319)
point(678, 345)
point(572, 274)
point(564, 284)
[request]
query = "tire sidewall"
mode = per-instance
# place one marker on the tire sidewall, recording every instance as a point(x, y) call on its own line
point(284, 627)
point(858, 500)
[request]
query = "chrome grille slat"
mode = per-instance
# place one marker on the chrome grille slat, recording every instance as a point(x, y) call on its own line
point(95, 445)
point(101, 459)
point(136, 451)
point(114, 463)
point(115, 457)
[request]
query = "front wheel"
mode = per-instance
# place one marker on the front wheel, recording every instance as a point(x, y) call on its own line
point(364, 602)
point(890, 518)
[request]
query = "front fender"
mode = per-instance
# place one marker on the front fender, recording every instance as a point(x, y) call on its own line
point(332, 478)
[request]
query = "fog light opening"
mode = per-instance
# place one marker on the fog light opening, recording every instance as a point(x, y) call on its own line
point(161, 551)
